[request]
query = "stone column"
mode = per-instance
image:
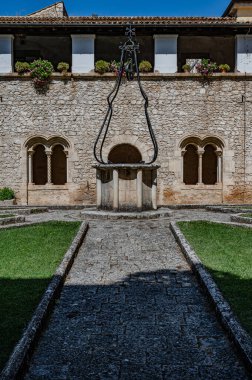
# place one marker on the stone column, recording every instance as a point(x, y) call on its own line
point(98, 188)
point(200, 154)
point(219, 166)
point(116, 189)
point(166, 46)
point(183, 152)
point(30, 166)
point(49, 166)
point(243, 52)
point(154, 189)
point(83, 49)
point(66, 153)
point(6, 53)
point(139, 189)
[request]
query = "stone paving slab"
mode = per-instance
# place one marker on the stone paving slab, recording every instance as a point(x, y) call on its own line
point(131, 308)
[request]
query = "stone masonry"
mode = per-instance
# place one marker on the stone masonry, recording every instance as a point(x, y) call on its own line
point(180, 106)
point(131, 308)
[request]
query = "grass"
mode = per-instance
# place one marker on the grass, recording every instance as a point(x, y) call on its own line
point(226, 251)
point(6, 216)
point(29, 257)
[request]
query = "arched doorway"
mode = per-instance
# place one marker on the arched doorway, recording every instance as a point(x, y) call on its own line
point(124, 154)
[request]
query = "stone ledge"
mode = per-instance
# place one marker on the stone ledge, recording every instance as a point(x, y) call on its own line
point(22, 350)
point(241, 219)
point(12, 220)
point(145, 76)
point(115, 215)
point(232, 209)
point(235, 331)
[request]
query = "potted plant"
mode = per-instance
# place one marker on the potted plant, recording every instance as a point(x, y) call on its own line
point(41, 71)
point(102, 66)
point(145, 67)
point(224, 68)
point(186, 68)
point(206, 67)
point(22, 67)
point(63, 67)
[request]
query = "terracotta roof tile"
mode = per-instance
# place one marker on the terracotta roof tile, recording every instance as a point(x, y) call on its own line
point(87, 21)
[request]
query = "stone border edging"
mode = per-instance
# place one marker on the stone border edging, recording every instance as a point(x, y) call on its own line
point(230, 209)
point(237, 333)
point(241, 219)
point(24, 346)
point(12, 220)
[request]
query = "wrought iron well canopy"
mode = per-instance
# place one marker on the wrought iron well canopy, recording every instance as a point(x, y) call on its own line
point(129, 67)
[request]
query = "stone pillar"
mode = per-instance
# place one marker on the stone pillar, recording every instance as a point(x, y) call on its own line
point(139, 189)
point(116, 189)
point(200, 154)
point(243, 61)
point(154, 189)
point(219, 166)
point(66, 153)
point(166, 53)
point(183, 152)
point(98, 188)
point(83, 53)
point(49, 166)
point(6, 53)
point(30, 166)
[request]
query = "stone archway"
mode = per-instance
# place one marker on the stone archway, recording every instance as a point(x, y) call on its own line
point(124, 154)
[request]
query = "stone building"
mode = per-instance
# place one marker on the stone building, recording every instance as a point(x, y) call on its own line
point(203, 128)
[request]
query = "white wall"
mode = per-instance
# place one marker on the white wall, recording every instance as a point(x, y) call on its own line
point(244, 53)
point(82, 53)
point(6, 53)
point(166, 47)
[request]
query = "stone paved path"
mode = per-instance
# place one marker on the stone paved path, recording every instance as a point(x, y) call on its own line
point(132, 309)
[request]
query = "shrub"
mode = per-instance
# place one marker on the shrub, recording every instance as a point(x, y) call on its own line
point(224, 67)
point(6, 193)
point(102, 67)
point(41, 71)
point(206, 67)
point(22, 67)
point(145, 67)
point(186, 68)
point(63, 67)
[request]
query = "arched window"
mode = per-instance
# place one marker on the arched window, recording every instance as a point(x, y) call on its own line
point(191, 164)
point(47, 160)
point(202, 160)
point(39, 165)
point(124, 154)
point(58, 163)
point(209, 165)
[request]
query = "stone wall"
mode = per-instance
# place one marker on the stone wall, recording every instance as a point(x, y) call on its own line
point(179, 107)
point(54, 10)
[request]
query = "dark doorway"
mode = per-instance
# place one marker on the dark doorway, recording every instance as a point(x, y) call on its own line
point(124, 154)
point(209, 166)
point(39, 165)
point(191, 164)
point(58, 165)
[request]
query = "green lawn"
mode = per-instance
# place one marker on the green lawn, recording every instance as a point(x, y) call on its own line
point(6, 216)
point(29, 257)
point(226, 252)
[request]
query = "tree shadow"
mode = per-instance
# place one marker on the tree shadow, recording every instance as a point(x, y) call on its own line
point(18, 300)
point(155, 325)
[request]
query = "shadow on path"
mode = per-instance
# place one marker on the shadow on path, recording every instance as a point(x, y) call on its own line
point(155, 325)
